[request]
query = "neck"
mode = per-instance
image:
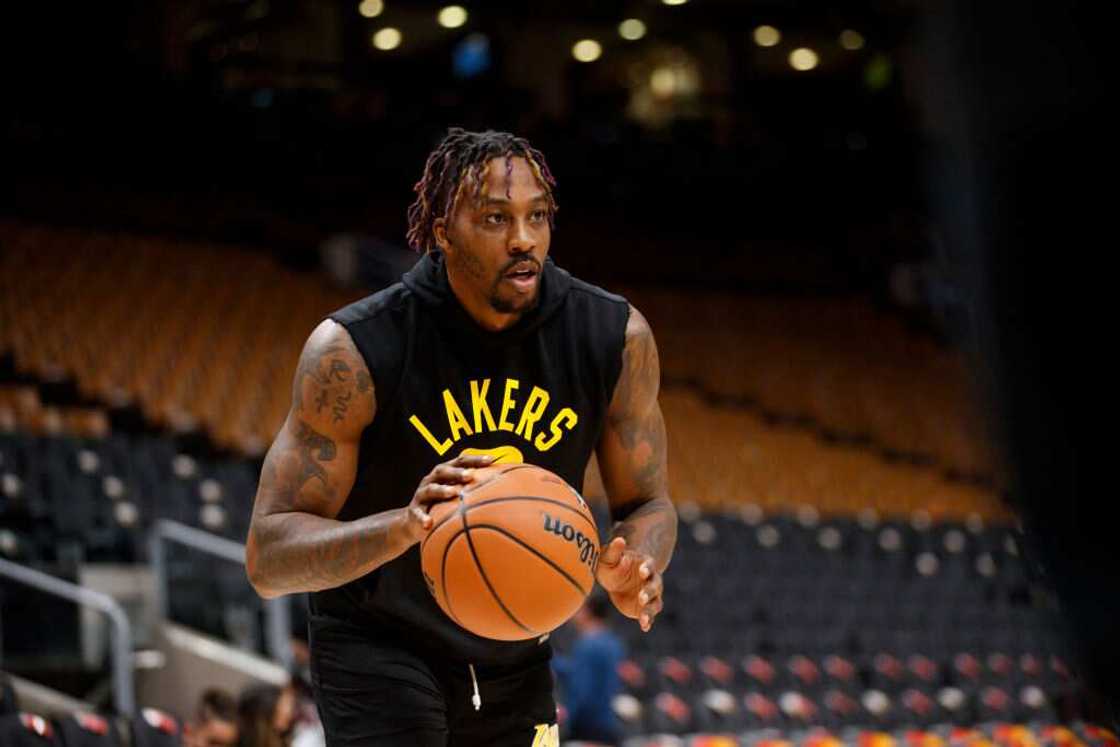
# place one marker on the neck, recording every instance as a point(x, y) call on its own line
point(479, 309)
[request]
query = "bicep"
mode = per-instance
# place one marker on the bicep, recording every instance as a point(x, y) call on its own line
point(306, 470)
point(632, 448)
point(312, 464)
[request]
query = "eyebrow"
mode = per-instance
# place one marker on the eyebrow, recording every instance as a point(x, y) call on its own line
point(539, 197)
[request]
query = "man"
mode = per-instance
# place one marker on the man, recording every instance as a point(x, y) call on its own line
point(589, 678)
point(485, 352)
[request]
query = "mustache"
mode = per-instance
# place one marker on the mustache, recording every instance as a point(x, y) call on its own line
point(522, 262)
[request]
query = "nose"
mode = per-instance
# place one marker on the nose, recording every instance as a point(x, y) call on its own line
point(522, 238)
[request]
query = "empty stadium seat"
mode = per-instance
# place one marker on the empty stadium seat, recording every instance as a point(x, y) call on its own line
point(84, 729)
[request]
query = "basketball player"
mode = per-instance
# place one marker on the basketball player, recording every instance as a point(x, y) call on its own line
point(486, 352)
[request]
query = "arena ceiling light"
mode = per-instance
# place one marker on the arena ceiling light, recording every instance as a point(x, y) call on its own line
point(674, 2)
point(587, 50)
point(452, 17)
point(851, 40)
point(371, 8)
point(662, 82)
point(387, 38)
point(767, 36)
point(680, 79)
point(803, 59)
point(632, 29)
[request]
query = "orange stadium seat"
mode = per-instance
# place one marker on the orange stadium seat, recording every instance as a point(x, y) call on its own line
point(774, 402)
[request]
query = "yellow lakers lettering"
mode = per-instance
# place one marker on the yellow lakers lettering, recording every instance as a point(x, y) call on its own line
point(546, 735)
point(523, 413)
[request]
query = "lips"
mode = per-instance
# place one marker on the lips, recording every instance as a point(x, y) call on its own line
point(523, 270)
point(523, 276)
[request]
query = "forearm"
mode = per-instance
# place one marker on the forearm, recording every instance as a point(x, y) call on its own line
point(293, 551)
point(651, 528)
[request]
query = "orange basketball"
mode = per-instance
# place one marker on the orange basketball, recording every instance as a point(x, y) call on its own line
point(514, 557)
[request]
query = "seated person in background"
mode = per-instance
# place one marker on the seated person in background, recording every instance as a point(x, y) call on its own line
point(588, 675)
point(215, 721)
point(266, 716)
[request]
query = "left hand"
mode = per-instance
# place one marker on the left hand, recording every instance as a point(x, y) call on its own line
point(632, 581)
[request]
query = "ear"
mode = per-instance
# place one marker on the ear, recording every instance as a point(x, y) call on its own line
point(439, 231)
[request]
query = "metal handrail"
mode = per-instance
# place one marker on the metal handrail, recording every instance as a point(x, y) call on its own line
point(278, 621)
point(124, 692)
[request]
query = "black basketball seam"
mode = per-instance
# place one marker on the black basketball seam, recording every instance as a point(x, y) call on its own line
point(443, 521)
point(533, 550)
point(486, 579)
point(470, 488)
point(500, 475)
point(514, 467)
point(537, 498)
point(443, 580)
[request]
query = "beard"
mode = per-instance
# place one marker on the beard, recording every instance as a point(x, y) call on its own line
point(516, 304)
point(497, 296)
point(505, 305)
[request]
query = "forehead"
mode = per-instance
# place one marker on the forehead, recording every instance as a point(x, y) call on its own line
point(513, 175)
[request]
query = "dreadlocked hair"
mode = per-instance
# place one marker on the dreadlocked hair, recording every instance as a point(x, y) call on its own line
point(461, 162)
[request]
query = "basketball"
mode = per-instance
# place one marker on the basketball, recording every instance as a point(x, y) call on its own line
point(514, 556)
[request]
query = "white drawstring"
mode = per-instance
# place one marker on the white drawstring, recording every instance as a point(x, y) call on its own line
point(476, 699)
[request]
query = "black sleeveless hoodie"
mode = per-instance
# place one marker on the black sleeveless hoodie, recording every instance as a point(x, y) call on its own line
point(538, 392)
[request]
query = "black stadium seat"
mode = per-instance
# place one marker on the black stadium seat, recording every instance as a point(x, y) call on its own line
point(154, 728)
point(88, 730)
point(23, 729)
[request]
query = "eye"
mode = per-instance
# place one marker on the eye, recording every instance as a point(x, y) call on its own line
point(495, 219)
point(539, 215)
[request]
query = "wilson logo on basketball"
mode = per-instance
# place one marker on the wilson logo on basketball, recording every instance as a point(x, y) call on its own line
point(588, 552)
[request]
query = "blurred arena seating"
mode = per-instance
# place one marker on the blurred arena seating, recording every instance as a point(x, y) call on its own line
point(150, 728)
point(820, 401)
point(194, 336)
point(725, 456)
point(851, 373)
point(793, 621)
point(844, 559)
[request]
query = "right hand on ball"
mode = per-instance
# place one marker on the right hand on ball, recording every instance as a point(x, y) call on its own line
point(444, 483)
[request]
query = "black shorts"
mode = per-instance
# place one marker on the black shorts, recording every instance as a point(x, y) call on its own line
point(372, 690)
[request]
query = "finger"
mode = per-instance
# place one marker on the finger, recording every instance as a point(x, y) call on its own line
point(648, 614)
point(645, 570)
point(651, 589)
point(472, 460)
point(613, 552)
point(437, 493)
point(445, 473)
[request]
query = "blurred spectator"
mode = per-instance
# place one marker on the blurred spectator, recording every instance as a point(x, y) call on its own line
point(215, 721)
point(588, 676)
point(266, 716)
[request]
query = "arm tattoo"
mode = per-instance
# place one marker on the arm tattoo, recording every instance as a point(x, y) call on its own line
point(645, 514)
point(340, 402)
point(636, 416)
point(311, 365)
point(326, 375)
point(311, 440)
point(650, 528)
point(286, 472)
point(339, 371)
point(295, 541)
